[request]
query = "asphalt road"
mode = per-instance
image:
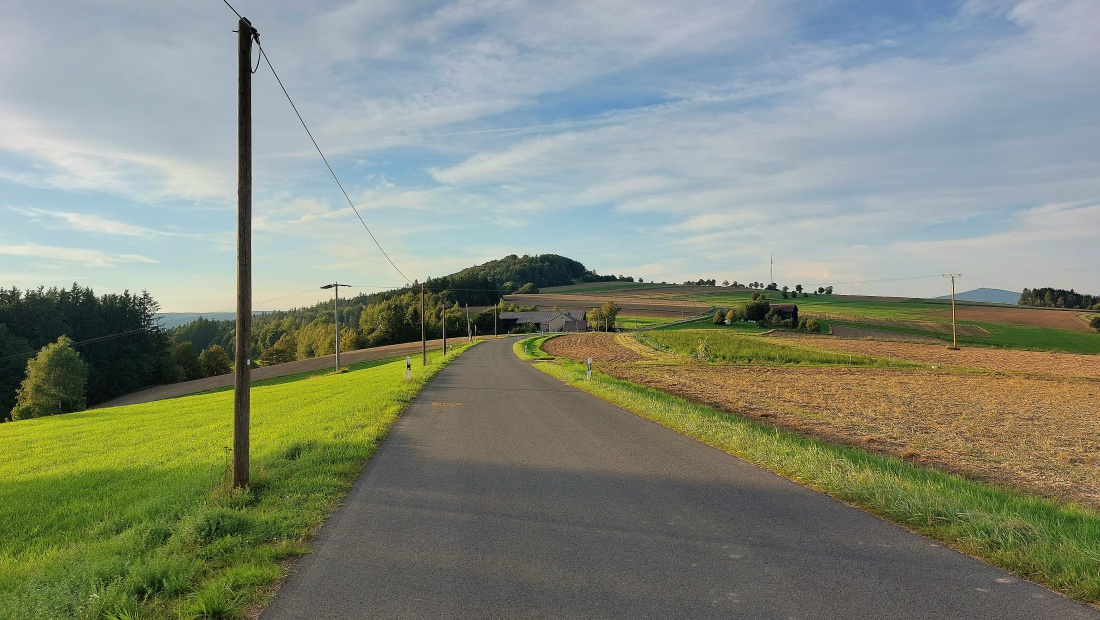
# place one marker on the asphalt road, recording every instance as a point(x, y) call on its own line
point(502, 493)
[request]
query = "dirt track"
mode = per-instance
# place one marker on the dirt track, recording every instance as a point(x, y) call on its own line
point(270, 372)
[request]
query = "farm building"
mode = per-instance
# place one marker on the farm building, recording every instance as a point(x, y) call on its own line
point(787, 311)
point(554, 321)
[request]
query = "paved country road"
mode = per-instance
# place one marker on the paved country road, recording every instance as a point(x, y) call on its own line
point(503, 493)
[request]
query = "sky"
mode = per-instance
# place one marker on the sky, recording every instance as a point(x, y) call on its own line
point(872, 146)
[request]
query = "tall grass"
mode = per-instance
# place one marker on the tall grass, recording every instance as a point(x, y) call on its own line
point(127, 511)
point(1057, 545)
point(722, 346)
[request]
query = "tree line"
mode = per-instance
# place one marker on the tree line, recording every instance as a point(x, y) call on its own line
point(115, 335)
point(111, 344)
point(1047, 297)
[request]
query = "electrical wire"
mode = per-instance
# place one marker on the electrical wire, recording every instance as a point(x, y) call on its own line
point(80, 343)
point(232, 9)
point(267, 59)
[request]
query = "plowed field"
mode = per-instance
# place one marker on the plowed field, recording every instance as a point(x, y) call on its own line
point(1040, 434)
point(1039, 317)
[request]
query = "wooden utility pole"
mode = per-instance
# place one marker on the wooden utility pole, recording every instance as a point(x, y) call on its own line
point(469, 330)
point(495, 321)
point(443, 305)
point(423, 336)
point(242, 378)
point(954, 333)
point(336, 315)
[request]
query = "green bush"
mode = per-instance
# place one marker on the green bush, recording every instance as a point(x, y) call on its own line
point(733, 316)
point(813, 326)
point(1094, 322)
point(756, 310)
point(719, 318)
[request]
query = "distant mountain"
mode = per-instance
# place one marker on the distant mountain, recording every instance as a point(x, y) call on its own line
point(987, 296)
point(171, 320)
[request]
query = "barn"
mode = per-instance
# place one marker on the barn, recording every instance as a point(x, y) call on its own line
point(786, 312)
point(554, 321)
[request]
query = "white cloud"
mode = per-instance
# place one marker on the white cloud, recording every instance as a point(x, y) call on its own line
point(90, 258)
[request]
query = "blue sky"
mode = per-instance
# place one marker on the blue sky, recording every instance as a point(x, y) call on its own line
point(858, 142)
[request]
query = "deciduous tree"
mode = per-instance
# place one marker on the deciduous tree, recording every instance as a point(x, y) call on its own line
point(55, 382)
point(214, 361)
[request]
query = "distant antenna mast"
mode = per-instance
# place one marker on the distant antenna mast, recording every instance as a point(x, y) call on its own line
point(771, 268)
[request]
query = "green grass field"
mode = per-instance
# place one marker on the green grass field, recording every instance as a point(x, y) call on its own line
point(1055, 544)
point(126, 512)
point(1002, 335)
point(730, 347)
point(707, 323)
point(629, 321)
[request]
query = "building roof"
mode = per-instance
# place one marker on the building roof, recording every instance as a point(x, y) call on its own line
point(538, 317)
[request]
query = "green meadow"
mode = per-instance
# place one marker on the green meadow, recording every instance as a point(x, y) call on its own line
point(1001, 335)
point(127, 512)
point(727, 346)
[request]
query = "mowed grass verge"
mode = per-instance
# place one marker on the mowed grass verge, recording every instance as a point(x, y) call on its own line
point(1052, 543)
point(127, 512)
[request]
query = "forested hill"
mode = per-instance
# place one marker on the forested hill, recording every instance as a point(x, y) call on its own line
point(388, 317)
point(1047, 297)
point(512, 273)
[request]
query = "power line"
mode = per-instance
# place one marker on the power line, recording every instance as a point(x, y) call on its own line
point(77, 344)
point(239, 16)
point(267, 59)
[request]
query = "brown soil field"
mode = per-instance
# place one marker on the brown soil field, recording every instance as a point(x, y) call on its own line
point(1003, 360)
point(1038, 317)
point(1037, 434)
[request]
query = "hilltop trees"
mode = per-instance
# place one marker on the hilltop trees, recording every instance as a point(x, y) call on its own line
point(54, 384)
point(1058, 298)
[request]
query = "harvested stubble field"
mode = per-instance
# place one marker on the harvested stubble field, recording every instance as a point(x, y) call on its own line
point(1038, 434)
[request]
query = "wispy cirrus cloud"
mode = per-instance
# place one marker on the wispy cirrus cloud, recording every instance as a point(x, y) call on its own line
point(89, 258)
point(91, 223)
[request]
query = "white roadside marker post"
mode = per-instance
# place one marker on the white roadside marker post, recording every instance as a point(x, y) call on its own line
point(408, 368)
point(590, 368)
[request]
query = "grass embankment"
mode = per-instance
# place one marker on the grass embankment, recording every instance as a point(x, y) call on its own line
point(1055, 544)
point(707, 322)
point(127, 513)
point(531, 348)
point(724, 346)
